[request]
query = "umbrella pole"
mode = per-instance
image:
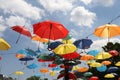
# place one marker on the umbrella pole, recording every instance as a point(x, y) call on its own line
point(18, 38)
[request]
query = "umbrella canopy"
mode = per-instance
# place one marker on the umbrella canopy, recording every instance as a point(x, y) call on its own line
point(32, 66)
point(72, 55)
point(95, 64)
point(37, 38)
point(53, 45)
point(109, 75)
point(107, 31)
point(83, 69)
point(4, 45)
point(64, 49)
point(106, 62)
point(18, 73)
point(103, 55)
point(93, 52)
point(83, 43)
point(87, 57)
point(21, 30)
point(50, 30)
point(44, 70)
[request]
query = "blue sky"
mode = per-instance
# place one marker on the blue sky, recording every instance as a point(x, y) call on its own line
point(80, 17)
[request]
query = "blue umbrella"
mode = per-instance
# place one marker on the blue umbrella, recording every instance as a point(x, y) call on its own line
point(26, 58)
point(102, 68)
point(32, 66)
point(93, 52)
point(22, 51)
point(83, 43)
point(31, 52)
point(53, 45)
point(112, 69)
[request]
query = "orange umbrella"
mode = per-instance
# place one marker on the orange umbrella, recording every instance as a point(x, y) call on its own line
point(106, 62)
point(44, 70)
point(20, 56)
point(37, 38)
point(83, 69)
point(107, 31)
point(87, 57)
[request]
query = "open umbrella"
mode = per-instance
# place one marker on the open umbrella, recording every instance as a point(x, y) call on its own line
point(21, 30)
point(50, 30)
point(19, 73)
point(107, 31)
point(4, 45)
point(64, 49)
point(83, 43)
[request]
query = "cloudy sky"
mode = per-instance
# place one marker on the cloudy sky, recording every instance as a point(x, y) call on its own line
point(80, 17)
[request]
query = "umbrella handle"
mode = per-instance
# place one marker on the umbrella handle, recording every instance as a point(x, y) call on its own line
point(18, 38)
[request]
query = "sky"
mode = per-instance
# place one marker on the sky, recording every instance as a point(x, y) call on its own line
point(80, 17)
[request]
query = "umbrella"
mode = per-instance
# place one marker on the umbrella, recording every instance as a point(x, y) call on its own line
point(83, 43)
point(93, 52)
point(112, 69)
point(109, 75)
point(87, 74)
point(117, 64)
point(21, 30)
point(26, 58)
point(107, 31)
point(72, 55)
point(95, 64)
point(83, 69)
point(103, 55)
point(50, 30)
point(106, 62)
point(20, 56)
point(18, 73)
point(4, 45)
point(53, 73)
point(67, 76)
point(94, 78)
point(32, 66)
point(31, 52)
point(87, 57)
point(39, 39)
point(64, 49)
point(53, 45)
point(102, 68)
point(44, 70)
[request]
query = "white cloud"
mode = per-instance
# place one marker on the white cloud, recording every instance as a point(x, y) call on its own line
point(20, 7)
point(105, 3)
point(82, 16)
point(2, 26)
point(15, 20)
point(86, 2)
point(57, 5)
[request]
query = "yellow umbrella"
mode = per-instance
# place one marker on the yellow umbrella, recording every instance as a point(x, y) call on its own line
point(109, 76)
point(65, 49)
point(107, 31)
point(67, 41)
point(4, 45)
point(18, 73)
point(118, 63)
point(75, 68)
point(95, 64)
point(53, 73)
point(103, 55)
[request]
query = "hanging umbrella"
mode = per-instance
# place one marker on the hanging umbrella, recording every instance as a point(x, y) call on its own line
point(44, 70)
point(53, 73)
point(53, 45)
point(4, 45)
point(45, 57)
point(50, 30)
point(102, 68)
point(87, 57)
point(20, 56)
point(31, 52)
point(112, 69)
point(83, 69)
point(64, 49)
point(69, 76)
point(72, 55)
point(94, 78)
point(83, 43)
point(52, 65)
point(26, 58)
point(117, 64)
point(103, 55)
point(21, 30)
point(109, 75)
point(95, 64)
point(93, 52)
point(32, 66)
point(88, 74)
point(39, 39)
point(114, 53)
point(106, 62)
point(107, 31)
point(19, 73)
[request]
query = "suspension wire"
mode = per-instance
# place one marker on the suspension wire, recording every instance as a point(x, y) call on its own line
point(114, 19)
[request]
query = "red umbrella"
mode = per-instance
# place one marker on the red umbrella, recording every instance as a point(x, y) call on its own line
point(71, 55)
point(21, 30)
point(50, 30)
point(70, 76)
